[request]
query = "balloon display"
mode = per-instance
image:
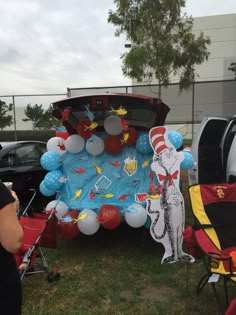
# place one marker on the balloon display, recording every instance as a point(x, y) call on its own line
point(74, 143)
point(109, 216)
point(68, 227)
point(95, 146)
point(56, 144)
point(59, 207)
point(112, 125)
point(52, 180)
point(136, 215)
point(176, 139)
point(188, 161)
point(51, 160)
point(87, 222)
point(45, 191)
point(143, 145)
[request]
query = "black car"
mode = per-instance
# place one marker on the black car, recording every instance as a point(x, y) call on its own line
point(20, 164)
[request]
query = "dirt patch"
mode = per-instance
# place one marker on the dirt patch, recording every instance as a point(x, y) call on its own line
point(162, 293)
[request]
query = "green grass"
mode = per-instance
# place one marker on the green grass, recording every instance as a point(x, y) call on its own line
point(118, 272)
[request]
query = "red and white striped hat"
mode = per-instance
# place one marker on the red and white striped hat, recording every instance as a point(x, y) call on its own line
point(157, 140)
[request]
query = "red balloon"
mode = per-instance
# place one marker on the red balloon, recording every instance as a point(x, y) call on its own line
point(133, 135)
point(83, 130)
point(112, 144)
point(109, 216)
point(63, 135)
point(67, 226)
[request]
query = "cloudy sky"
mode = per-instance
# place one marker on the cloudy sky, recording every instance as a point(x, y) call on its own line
point(49, 45)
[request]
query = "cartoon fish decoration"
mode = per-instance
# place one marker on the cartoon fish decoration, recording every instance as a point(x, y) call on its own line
point(123, 197)
point(92, 126)
point(151, 175)
point(79, 171)
point(107, 196)
point(81, 217)
point(92, 194)
point(89, 114)
point(63, 179)
point(125, 138)
point(117, 175)
point(77, 194)
point(61, 146)
point(121, 111)
point(124, 124)
point(97, 169)
point(65, 114)
point(61, 129)
point(115, 164)
point(131, 210)
point(105, 218)
point(146, 163)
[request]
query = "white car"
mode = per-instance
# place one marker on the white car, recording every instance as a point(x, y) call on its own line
point(214, 151)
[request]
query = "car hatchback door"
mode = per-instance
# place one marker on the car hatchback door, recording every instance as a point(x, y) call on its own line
point(207, 152)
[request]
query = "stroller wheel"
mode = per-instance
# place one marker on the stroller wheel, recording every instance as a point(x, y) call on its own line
point(53, 276)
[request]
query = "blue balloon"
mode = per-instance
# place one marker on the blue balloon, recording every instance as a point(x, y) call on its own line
point(143, 144)
point(51, 160)
point(188, 161)
point(176, 139)
point(45, 191)
point(52, 180)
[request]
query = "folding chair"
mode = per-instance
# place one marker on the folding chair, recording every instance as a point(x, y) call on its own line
point(214, 209)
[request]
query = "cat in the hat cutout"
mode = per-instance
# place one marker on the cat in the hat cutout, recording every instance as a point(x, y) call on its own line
point(167, 213)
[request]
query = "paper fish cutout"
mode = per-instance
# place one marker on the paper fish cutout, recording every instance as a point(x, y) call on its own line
point(92, 194)
point(97, 169)
point(79, 171)
point(65, 114)
point(123, 197)
point(124, 124)
point(125, 138)
point(121, 111)
point(146, 163)
point(81, 217)
point(77, 194)
point(89, 114)
point(115, 164)
point(108, 195)
point(92, 126)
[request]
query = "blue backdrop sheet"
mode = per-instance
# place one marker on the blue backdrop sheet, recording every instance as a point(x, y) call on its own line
point(80, 174)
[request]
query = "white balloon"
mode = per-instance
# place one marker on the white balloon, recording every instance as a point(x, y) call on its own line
point(95, 146)
point(74, 143)
point(56, 144)
point(89, 223)
point(59, 206)
point(136, 215)
point(112, 125)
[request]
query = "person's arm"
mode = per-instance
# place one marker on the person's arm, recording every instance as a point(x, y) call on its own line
point(11, 232)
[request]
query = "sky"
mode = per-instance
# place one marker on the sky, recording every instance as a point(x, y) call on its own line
point(49, 45)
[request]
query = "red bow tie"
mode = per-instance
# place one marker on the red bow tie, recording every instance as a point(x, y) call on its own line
point(169, 177)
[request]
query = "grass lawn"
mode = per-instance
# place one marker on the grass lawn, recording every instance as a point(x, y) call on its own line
point(118, 272)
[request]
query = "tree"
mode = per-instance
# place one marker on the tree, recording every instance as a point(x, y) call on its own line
point(5, 119)
point(41, 119)
point(162, 41)
point(233, 68)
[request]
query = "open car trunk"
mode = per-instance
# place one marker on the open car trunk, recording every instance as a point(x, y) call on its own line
point(121, 171)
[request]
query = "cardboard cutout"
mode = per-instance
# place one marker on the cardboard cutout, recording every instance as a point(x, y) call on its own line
point(167, 213)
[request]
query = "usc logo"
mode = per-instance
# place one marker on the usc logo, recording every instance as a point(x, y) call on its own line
point(220, 190)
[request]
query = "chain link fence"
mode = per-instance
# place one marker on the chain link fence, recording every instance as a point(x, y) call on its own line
point(187, 109)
